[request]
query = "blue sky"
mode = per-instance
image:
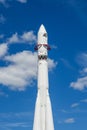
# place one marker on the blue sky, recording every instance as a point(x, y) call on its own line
point(66, 24)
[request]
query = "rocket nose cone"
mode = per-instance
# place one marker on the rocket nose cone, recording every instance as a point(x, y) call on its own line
point(42, 35)
point(42, 29)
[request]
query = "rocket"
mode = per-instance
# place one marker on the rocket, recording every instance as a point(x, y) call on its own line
point(43, 118)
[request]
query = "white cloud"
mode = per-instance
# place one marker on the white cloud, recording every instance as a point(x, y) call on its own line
point(26, 37)
point(2, 19)
point(67, 121)
point(70, 120)
point(80, 84)
point(13, 39)
point(84, 71)
point(74, 105)
point(82, 59)
point(3, 49)
point(22, 71)
point(22, 1)
point(51, 64)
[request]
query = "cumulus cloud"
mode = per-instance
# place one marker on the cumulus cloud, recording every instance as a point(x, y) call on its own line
point(3, 49)
point(51, 64)
point(26, 37)
point(81, 82)
point(22, 1)
point(22, 70)
point(84, 71)
point(13, 39)
point(69, 120)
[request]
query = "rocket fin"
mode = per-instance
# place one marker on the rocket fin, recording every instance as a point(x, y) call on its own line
point(49, 117)
point(36, 125)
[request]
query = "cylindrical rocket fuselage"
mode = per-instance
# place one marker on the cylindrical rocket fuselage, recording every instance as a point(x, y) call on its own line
point(42, 72)
point(43, 113)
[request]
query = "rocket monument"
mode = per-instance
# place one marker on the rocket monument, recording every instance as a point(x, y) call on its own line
point(43, 119)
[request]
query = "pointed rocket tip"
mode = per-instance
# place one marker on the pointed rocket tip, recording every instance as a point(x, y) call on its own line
point(42, 26)
point(42, 29)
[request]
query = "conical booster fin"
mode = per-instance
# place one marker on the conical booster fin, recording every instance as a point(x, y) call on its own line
point(49, 117)
point(36, 125)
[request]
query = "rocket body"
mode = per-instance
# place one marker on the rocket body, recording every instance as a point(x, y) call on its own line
point(43, 119)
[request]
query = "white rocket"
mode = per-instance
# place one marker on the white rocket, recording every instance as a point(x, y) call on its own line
point(43, 119)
